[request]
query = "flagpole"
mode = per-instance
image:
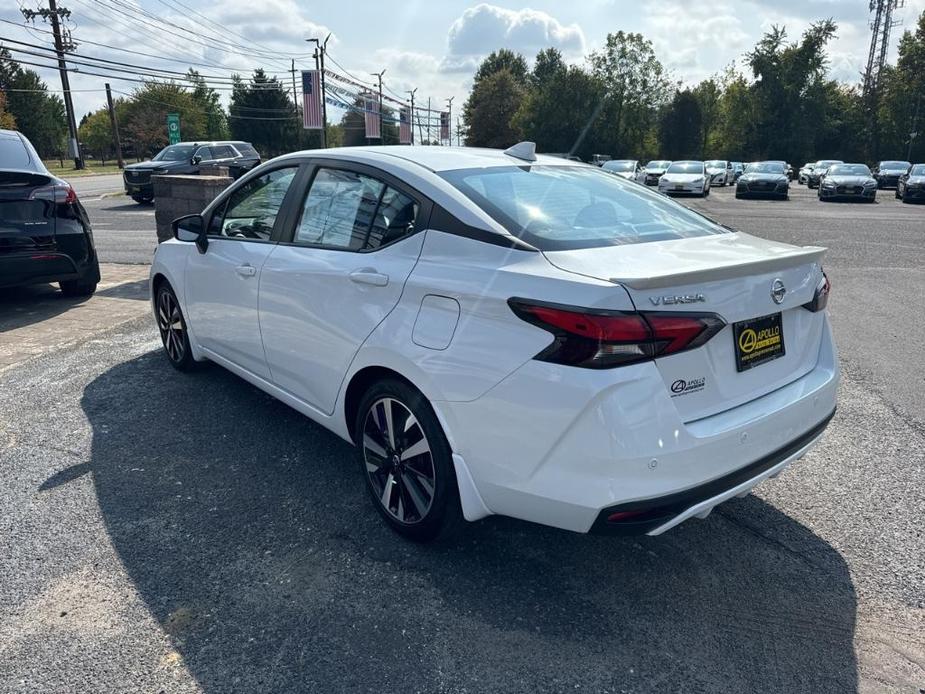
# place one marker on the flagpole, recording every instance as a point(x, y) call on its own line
point(320, 48)
point(381, 133)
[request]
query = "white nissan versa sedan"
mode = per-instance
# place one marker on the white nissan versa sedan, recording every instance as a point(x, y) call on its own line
point(500, 332)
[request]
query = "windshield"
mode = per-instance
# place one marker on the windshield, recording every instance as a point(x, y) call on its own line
point(902, 165)
point(918, 170)
point(686, 167)
point(175, 153)
point(769, 167)
point(826, 163)
point(658, 164)
point(614, 165)
point(565, 207)
point(849, 170)
point(716, 164)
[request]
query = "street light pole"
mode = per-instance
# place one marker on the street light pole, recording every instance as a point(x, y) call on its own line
point(449, 119)
point(320, 49)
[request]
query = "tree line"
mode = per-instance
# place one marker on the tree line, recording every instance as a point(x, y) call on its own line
point(622, 102)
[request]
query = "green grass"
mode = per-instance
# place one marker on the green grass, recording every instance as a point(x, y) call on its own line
point(93, 167)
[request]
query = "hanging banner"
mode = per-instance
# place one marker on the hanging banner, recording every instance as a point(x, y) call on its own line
point(372, 116)
point(444, 125)
point(312, 118)
point(404, 126)
point(173, 128)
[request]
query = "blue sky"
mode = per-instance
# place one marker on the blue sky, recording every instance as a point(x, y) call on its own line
point(435, 45)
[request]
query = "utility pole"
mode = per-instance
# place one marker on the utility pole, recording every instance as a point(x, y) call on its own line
point(295, 93)
point(379, 76)
point(913, 133)
point(449, 119)
point(881, 25)
point(54, 14)
point(115, 127)
point(320, 49)
point(411, 113)
point(458, 131)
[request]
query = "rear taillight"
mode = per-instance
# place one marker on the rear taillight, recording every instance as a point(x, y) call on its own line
point(821, 295)
point(62, 193)
point(596, 339)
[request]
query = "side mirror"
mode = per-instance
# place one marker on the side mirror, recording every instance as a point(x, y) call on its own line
point(191, 229)
point(195, 160)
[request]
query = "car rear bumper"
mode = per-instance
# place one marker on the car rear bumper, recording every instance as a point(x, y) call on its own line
point(43, 266)
point(553, 445)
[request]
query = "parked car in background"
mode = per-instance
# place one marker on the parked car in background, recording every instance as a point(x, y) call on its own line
point(818, 172)
point(654, 171)
point(805, 171)
point(45, 233)
point(888, 173)
point(625, 168)
point(738, 168)
point(764, 179)
point(481, 325)
point(599, 159)
point(848, 182)
point(188, 158)
point(911, 186)
point(719, 171)
point(685, 178)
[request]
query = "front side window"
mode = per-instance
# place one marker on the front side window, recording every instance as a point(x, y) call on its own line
point(566, 207)
point(347, 210)
point(204, 154)
point(250, 212)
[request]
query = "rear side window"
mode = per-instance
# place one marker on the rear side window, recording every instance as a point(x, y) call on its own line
point(569, 207)
point(13, 154)
point(223, 152)
point(247, 150)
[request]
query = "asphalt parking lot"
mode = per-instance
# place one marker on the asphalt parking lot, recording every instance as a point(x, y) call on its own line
point(173, 533)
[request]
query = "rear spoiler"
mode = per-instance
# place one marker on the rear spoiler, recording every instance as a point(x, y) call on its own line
point(799, 256)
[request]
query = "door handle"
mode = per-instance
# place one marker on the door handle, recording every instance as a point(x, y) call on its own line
point(369, 275)
point(246, 270)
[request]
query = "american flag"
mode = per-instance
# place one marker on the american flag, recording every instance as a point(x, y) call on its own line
point(404, 126)
point(311, 100)
point(444, 125)
point(371, 103)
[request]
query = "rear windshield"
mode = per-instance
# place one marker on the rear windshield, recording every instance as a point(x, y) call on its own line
point(903, 165)
point(658, 164)
point(13, 154)
point(567, 207)
point(613, 165)
point(849, 170)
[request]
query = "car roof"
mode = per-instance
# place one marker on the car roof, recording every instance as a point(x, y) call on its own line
point(436, 158)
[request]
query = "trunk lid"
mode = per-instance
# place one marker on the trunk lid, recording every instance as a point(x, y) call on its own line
point(731, 275)
point(27, 211)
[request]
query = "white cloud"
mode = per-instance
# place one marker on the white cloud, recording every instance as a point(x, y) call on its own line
point(485, 28)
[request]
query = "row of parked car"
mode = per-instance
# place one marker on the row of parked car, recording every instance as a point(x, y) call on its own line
point(834, 178)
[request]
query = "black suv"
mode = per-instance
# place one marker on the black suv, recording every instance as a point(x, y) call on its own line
point(188, 158)
point(45, 233)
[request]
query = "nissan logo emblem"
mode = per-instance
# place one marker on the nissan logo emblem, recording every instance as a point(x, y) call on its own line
point(778, 291)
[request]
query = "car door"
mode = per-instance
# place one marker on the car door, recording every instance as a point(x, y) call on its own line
point(339, 274)
point(222, 283)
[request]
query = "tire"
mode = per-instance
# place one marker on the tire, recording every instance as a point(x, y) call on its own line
point(417, 496)
point(77, 288)
point(897, 195)
point(172, 328)
point(142, 200)
point(904, 198)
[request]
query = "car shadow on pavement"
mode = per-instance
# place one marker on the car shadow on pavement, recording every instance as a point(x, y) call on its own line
point(128, 290)
point(248, 533)
point(22, 306)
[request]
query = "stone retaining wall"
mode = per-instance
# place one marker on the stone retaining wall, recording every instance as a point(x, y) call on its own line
point(177, 196)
